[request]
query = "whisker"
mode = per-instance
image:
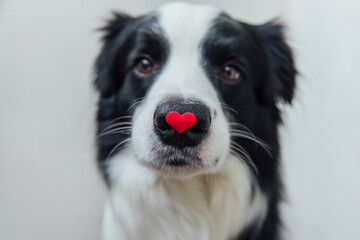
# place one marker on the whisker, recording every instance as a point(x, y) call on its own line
point(241, 150)
point(242, 154)
point(253, 138)
point(118, 147)
point(228, 107)
point(125, 130)
point(239, 125)
point(250, 164)
point(248, 134)
point(117, 125)
point(135, 102)
point(119, 118)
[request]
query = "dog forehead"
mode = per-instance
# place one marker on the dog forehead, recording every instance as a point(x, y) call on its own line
point(186, 23)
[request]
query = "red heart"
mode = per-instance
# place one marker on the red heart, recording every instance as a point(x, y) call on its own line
point(180, 122)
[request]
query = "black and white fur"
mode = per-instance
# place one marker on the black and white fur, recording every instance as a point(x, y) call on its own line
point(234, 189)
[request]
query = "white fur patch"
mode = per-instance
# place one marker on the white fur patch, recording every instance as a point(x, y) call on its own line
point(144, 205)
point(185, 27)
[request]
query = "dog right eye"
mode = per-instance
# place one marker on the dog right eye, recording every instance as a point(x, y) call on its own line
point(144, 65)
point(230, 73)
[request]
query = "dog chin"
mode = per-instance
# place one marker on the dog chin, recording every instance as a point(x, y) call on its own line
point(178, 168)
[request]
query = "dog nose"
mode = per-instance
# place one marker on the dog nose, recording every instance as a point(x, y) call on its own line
point(182, 124)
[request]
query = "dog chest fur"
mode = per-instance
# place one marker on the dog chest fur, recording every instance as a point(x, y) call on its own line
point(144, 205)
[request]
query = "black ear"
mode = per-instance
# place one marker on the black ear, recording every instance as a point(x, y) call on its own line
point(279, 63)
point(104, 64)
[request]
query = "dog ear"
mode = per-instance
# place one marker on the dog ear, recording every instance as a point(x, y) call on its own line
point(279, 63)
point(104, 63)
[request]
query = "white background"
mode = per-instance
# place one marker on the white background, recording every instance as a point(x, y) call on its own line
point(49, 184)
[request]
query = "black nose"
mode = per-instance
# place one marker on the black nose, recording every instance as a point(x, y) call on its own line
point(189, 137)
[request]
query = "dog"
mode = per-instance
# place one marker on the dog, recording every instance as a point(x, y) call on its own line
point(188, 116)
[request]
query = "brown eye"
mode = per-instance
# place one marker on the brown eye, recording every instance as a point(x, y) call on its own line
point(230, 73)
point(144, 65)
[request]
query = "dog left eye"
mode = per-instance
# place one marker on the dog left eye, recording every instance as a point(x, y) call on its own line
point(144, 65)
point(230, 73)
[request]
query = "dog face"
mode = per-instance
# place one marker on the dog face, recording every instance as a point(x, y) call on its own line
point(191, 58)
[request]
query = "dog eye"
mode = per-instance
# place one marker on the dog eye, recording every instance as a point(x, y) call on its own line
point(144, 65)
point(230, 73)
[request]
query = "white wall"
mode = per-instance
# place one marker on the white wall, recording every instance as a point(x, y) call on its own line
point(49, 186)
point(322, 137)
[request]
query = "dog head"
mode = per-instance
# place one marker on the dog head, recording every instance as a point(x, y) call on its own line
point(197, 59)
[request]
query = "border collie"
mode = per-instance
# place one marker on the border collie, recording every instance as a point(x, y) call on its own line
point(187, 125)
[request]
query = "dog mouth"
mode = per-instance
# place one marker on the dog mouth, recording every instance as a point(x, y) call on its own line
point(174, 162)
point(181, 162)
point(174, 157)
